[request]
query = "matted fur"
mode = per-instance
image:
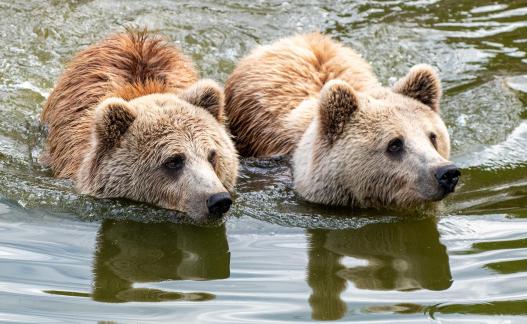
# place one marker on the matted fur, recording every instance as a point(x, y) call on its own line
point(318, 100)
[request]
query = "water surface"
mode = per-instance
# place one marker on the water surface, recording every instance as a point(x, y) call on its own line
point(70, 258)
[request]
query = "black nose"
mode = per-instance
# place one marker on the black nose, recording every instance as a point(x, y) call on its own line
point(447, 176)
point(218, 204)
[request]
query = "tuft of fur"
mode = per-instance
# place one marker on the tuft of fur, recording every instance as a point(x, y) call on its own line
point(319, 101)
point(129, 91)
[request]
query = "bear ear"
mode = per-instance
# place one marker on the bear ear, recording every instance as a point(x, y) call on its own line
point(338, 102)
point(422, 84)
point(112, 119)
point(206, 94)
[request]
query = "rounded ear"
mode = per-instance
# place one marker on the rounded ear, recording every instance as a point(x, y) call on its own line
point(338, 102)
point(422, 84)
point(112, 118)
point(206, 94)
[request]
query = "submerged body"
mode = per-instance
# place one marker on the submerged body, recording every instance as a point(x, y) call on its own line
point(129, 118)
point(353, 141)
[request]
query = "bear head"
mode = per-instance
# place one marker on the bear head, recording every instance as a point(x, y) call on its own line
point(385, 148)
point(168, 150)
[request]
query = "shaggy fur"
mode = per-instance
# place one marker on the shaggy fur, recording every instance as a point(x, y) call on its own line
point(122, 109)
point(127, 66)
point(314, 98)
point(276, 82)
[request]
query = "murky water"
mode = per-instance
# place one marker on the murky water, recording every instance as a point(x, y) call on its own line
point(68, 258)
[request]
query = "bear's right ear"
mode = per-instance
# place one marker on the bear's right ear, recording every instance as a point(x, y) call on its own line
point(338, 101)
point(112, 119)
point(206, 94)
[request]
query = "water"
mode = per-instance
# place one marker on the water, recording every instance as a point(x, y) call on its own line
point(69, 258)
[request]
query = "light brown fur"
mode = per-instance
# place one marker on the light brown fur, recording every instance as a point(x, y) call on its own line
point(126, 64)
point(274, 80)
point(126, 105)
point(318, 100)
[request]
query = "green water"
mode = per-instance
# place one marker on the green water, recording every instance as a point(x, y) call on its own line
point(69, 258)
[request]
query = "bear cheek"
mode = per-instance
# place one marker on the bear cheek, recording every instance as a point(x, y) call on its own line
point(401, 184)
point(165, 190)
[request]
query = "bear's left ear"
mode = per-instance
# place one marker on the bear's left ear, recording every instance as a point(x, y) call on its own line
point(112, 119)
point(206, 94)
point(422, 84)
point(338, 102)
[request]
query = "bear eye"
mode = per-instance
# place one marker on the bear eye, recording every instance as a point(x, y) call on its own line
point(433, 139)
point(395, 146)
point(212, 157)
point(175, 162)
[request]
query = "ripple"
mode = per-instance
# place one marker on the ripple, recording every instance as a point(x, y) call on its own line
point(518, 83)
point(277, 255)
point(26, 85)
point(488, 8)
point(512, 151)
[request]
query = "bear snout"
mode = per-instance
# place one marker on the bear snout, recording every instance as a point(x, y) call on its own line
point(218, 204)
point(448, 176)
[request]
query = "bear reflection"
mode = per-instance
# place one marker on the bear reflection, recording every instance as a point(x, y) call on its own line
point(396, 256)
point(130, 252)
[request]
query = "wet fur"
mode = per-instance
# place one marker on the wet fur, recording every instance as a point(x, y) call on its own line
point(126, 65)
point(319, 101)
point(126, 105)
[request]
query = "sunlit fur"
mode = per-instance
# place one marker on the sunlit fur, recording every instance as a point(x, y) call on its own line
point(311, 97)
point(126, 105)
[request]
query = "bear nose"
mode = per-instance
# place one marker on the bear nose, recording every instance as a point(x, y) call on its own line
point(447, 176)
point(218, 204)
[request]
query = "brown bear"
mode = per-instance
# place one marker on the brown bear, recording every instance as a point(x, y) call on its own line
point(129, 118)
point(353, 141)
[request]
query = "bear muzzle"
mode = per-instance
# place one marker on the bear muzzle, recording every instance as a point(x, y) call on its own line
point(447, 176)
point(218, 204)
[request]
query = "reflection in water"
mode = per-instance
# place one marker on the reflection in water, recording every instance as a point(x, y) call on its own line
point(501, 308)
point(400, 256)
point(131, 252)
point(480, 48)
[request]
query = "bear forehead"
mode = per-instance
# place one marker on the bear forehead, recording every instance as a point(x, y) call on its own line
point(395, 107)
point(160, 111)
point(173, 128)
point(388, 100)
point(383, 120)
point(166, 104)
point(166, 120)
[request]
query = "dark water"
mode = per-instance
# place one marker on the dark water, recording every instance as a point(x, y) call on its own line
point(68, 258)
